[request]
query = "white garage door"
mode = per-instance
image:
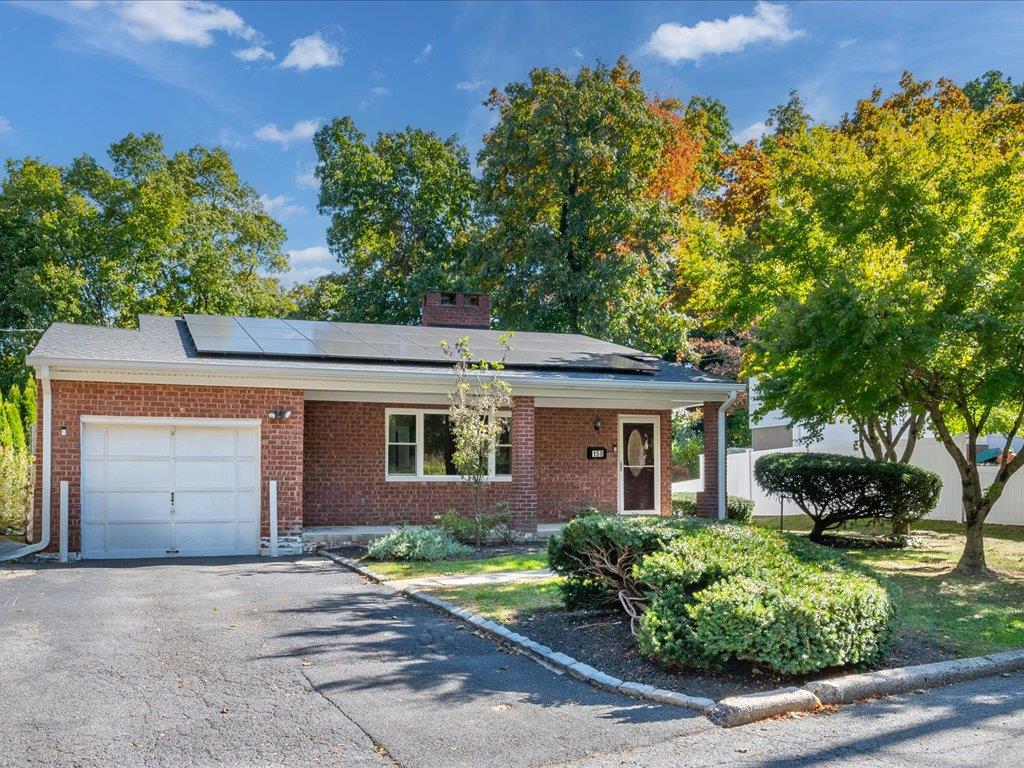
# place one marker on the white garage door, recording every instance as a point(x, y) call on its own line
point(167, 490)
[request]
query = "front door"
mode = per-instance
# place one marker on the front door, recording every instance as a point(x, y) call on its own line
point(638, 465)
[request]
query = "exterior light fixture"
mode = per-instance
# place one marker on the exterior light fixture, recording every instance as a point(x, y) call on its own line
point(597, 423)
point(63, 431)
point(279, 414)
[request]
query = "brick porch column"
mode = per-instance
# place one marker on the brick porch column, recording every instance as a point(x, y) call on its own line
point(524, 474)
point(707, 500)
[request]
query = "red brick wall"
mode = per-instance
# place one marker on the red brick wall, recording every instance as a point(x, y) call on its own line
point(567, 480)
point(461, 314)
point(344, 467)
point(344, 472)
point(280, 454)
point(707, 500)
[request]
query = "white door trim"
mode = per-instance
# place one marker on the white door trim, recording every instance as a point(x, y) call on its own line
point(639, 419)
point(151, 421)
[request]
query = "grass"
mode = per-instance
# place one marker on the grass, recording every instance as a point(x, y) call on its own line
point(963, 617)
point(410, 570)
point(966, 617)
point(505, 602)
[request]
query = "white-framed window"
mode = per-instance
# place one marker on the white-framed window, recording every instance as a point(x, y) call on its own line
point(419, 445)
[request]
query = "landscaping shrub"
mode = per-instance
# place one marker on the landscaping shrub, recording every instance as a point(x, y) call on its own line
point(718, 595)
point(15, 489)
point(417, 544)
point(832, 489)
point(477, 529)
point(595, 554)
point(737, 509)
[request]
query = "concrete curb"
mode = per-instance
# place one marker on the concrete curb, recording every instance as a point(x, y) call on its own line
point(889, 682)
point(732, 710)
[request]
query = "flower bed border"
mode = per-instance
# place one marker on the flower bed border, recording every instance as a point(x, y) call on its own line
point(731, 710)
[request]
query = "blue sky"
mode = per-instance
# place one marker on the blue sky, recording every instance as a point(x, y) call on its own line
point(257, 78)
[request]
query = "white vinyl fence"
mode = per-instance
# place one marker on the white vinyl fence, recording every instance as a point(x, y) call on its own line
point(929, 454)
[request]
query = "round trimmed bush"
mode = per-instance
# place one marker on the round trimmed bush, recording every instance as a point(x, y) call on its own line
point(833, 489)
point(724, 594)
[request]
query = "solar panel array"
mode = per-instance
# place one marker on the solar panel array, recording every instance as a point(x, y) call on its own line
point(263, 337)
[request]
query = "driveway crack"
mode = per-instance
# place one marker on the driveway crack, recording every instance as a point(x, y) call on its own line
point(378, 747)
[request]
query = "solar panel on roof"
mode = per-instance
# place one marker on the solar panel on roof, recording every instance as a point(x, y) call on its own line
point(412, 344)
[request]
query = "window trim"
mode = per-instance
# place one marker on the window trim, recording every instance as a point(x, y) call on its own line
point(419, 477)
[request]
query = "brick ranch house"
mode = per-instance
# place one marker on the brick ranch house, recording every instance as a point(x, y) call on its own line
point(210, 435)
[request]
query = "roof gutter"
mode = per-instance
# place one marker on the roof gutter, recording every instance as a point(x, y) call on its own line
point(44, 534)
point(264, 372)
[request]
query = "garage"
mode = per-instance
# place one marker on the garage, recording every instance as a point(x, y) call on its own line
point(169, 487)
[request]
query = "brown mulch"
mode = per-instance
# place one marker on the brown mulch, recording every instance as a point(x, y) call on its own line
point(603, 640)
point(357, 552)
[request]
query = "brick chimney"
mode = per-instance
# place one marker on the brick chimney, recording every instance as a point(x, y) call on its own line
point(456, 310)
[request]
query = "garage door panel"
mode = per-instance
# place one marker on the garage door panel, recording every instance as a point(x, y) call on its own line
point(209, 442)
point(199, 536)
point(133, 441)
point(204, 505)
point(94, 474)
point(131, 474)
point(130, 470)
point(143, 507)
point(204, 475)
point(139, 537)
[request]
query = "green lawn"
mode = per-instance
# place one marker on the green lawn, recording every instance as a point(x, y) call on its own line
point(963, 617)
point(392, 570)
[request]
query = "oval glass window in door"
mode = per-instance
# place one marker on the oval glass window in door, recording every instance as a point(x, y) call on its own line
point(636, 452)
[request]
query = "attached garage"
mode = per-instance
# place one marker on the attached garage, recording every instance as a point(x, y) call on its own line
point(166, 487)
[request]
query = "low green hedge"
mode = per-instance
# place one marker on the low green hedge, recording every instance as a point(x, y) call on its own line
point(425, 543)
point(723, 594)
point(737, 508)
point(595, 554)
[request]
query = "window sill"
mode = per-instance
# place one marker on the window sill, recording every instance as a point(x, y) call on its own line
point(441, 479)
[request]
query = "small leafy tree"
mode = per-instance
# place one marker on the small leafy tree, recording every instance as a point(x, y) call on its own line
point(833, 490)
point(477, 401)
point(15, 489)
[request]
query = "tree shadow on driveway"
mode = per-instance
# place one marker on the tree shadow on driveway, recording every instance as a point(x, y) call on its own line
point(434, 692)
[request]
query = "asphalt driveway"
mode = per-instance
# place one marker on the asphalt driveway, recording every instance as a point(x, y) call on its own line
point(248, 662)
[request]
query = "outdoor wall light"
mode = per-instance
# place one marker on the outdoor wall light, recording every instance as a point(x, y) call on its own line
point(597, 423)
point(279, 414)
point(63, 431)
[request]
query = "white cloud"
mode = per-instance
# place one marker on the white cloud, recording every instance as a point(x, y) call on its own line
point(315, 254)
point(280, 205)
point(848, 42)
point(769, 23)
point(5, 125)
point(752, 131)
point(307, 178)
point(303, 129)
point(308, 264)
point(424, 54)
point(190, 22)
point(377, 92)
point(577, 53)
point(254, 53)
point(470, 85)
point(311, 52)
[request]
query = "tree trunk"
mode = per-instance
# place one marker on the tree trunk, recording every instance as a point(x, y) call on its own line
point(972, 561)
point(817, 531)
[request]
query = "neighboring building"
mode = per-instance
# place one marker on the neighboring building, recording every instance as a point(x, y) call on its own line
point(175, 439)
point(774, 430)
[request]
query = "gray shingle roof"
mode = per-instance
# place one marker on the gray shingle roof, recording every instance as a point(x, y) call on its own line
point(165, 341)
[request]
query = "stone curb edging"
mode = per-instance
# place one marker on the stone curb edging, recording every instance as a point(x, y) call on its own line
point(560, 662)
point(731, 711)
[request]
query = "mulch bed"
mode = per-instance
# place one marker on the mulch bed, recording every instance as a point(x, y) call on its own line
point(603, 640)
point(358, 552)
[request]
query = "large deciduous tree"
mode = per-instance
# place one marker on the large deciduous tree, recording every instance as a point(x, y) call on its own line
point(402, 217)
point(902, 243)
point(582, 219)
point(146, 232)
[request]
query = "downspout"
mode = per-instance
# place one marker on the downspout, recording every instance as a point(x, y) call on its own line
point(44, 538)
point(723, 456)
